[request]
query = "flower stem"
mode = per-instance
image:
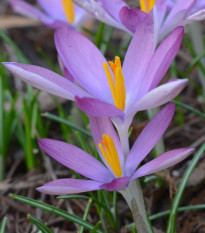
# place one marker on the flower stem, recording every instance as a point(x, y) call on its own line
point(134, 198)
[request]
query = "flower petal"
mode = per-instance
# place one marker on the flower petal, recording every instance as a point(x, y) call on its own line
point(162, 59)
point(159, 95)
point(69, 186)
point(116, 184)
point(164, 161)
point(103, 125)
point(131, 17)
point(198, 16)
point(113, 7)
point(137, 57)
point(97, 108)
point(53, 8)
point(27, 9)
point(76, 159)
point(46, 80)
point(84, 61)
point(149, 137)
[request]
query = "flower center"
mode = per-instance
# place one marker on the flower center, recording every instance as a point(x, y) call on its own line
point(147, 5)
point(69, 10)
point(117, 85)
point(109, 152)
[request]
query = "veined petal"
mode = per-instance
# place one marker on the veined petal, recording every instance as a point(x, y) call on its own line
point(149, 138)
point(53, 8)
point(46, 80)
point(131, 17)
point(95, 9)
point(180, 5)
point(113, 7)
point(69, 186)
point(97, 108)
point(100, 126)
point(84, 61)
point(198, 16)
point(116, 184)
point(137, 58)
point(76, 159)
point(27, 9)
point(164, 161)
point(162, 59)
point(159, 95)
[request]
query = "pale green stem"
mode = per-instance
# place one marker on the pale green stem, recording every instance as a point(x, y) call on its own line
point(134, 198)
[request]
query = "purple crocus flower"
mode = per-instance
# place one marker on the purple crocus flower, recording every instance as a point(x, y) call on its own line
point(168, 14)
point(114, 172)
point(109, 89)
point(54, 13)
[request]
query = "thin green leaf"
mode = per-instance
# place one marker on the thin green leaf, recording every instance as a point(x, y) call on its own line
point(54, 210)
point(69, 123)
point(94, 230)
point(87, 209)
point(181, 188)
point(167, 212)
point(189, 108)
point(3, 225)
point(40, 225)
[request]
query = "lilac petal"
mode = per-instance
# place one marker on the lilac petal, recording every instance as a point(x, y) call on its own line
point(131, 17)
point(164, 161)
point(69, 186)
point(76, 159)
point(116, 184)
point(180, 6)
point(198, 16)
point(170, 25)
point(162, 59)
point(160, 95)
point(84, 61)
point(113, 7)
point(97, 108)
point(149, 137)
point(103, 125)
point(161, 7)
point(53, 8)
point(27, 9)
point(46, 80)
point(94, 8)
point(137, 57)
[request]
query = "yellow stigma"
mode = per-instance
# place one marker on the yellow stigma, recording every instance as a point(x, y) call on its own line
point(117, 86)
point(109, 152)
point(147, 5)
point(69, 10)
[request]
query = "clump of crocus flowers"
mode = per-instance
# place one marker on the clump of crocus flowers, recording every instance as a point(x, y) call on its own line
point(110, 92)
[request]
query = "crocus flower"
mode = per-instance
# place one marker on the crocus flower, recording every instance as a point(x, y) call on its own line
point(54, 13)
point(167, 14)
point(109, 89)
point(114, 172)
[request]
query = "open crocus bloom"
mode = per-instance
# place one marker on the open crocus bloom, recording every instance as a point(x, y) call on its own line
point(115, 171)
point(168, 14)
point(109, 89)
point(54, 13)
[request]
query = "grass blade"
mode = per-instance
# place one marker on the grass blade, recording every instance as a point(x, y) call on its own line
point(40, 225)
point(3, 225)
point(181, 188)
point(69, 123)
point(54, 210)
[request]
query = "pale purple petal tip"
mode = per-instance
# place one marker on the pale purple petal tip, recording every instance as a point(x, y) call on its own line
point(164, 161)
point(69, 186)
